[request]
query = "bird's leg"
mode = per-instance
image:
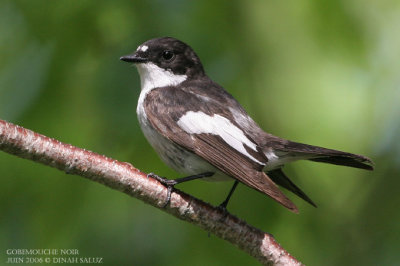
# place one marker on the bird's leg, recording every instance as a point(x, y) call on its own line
point(170, 183)
point(223, 205)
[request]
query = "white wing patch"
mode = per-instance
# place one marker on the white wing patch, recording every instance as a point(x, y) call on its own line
point(199, 122)
point(243, 120)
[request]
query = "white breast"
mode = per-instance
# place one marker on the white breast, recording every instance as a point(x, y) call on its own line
point(181, 160)
point(172, 154)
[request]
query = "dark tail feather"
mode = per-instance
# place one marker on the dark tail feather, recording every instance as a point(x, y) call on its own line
point(357, 162)
point(265, 185)
point(330, 156)
point(281, 179)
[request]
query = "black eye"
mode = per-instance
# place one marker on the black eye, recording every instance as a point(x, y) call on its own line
point(168, 55)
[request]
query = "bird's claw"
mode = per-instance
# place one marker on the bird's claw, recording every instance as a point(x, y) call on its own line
point(169, 183)
point(224, 210)
point(162, 180)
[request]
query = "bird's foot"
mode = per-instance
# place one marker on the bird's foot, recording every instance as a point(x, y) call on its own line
point(223, 209)
point(169, 183)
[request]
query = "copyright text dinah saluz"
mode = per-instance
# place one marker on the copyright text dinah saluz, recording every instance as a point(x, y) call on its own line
point(49, 256)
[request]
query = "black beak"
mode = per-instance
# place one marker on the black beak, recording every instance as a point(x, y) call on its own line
point(133, 58)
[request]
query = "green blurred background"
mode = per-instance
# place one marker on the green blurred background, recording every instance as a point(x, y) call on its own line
point(320, 72)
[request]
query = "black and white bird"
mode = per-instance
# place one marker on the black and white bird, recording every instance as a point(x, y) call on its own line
point(200, 130)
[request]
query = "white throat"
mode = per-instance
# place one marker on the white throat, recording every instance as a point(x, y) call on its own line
point(151, 77)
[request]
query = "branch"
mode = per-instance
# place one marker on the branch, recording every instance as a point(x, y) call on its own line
point(124, 177)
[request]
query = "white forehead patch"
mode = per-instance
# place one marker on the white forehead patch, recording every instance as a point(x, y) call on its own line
point(199, 122)
point(144, 48)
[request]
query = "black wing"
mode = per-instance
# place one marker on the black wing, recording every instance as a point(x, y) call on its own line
point(268, 141)
point(165, 106)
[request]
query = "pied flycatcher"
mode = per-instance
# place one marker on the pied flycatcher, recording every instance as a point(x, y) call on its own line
point(200, 130)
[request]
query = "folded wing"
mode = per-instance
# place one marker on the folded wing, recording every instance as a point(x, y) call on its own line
point(224, 145)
